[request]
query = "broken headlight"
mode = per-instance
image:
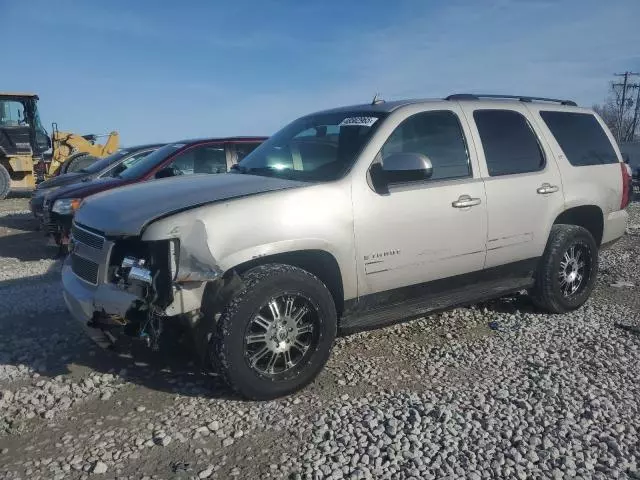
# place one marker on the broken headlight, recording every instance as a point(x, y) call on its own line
point(133, 269)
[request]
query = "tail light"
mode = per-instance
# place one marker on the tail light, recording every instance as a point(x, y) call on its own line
point(626, 185)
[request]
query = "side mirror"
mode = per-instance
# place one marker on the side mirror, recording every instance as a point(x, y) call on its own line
point(166, 172)
point(408, 163)
point(400, 168)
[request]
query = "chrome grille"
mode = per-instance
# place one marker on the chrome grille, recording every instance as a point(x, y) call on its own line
point(85, 269)
point(88, 238)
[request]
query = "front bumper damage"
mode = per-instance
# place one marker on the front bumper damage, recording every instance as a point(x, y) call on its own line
point(89, 305)
point(119, 292)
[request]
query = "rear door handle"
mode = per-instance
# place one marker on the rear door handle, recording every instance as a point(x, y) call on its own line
point(547, 188)
point(465, 201)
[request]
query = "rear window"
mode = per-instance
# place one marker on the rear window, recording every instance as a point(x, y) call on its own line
point(581, 138)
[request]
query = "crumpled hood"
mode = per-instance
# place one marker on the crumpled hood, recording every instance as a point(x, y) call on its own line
point(127, 210)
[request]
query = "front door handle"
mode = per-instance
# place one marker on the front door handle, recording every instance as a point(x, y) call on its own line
point(465, 201)
point(547, 188)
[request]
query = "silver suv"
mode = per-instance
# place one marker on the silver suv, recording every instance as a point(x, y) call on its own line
point(349, 219)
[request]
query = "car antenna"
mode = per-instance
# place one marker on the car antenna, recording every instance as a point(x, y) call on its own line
point(377, 99)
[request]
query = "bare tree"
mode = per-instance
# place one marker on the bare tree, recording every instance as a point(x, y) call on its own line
point(621, 118)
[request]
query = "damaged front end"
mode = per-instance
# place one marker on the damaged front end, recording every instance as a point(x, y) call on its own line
point(138, 285)
point(145, 270)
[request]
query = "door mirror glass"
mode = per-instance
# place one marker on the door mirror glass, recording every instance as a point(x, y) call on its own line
point(401, 167)
point(406, 167)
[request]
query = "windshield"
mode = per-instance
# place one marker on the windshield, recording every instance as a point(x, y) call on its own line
point(12, 113)
point(317, 148)
point(103, 163)
point(142, 167)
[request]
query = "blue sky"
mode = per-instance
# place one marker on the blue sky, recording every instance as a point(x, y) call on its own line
point(160, 71)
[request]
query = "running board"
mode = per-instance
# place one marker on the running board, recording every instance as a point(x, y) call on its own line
point(417, 307)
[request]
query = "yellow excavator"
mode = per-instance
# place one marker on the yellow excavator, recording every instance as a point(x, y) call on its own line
point(24, 145)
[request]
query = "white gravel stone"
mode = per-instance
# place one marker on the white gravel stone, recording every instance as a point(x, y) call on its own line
point(99, 468)
point(206, 473)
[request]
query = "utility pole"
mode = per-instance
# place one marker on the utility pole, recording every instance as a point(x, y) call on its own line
point(627, 134)
point(636, 111)
point(625, 85)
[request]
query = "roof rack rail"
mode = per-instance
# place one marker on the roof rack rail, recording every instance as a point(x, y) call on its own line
point(472, 96)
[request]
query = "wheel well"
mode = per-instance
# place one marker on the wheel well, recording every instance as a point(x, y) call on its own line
point(586, 216)
point(318, 262)
point(13, 175)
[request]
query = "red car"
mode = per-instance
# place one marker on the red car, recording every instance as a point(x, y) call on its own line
point(209, 155)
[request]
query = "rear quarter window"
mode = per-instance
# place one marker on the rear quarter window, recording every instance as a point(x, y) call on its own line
point(580, 137)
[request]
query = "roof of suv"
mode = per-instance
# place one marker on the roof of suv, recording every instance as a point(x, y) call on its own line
point(388, 107)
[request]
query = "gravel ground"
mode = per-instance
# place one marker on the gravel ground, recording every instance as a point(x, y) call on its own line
point(492, 391)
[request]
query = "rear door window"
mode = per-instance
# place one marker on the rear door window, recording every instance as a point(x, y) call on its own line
point(244, 149)
point(202, 159)
point(580, 137)
point(509, 143)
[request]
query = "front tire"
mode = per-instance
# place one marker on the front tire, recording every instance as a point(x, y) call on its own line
point(5, 182)
point(276, 334)
point(567, 271)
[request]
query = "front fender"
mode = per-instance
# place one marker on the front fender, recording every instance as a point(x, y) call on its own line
point(256, 252)
point(230, 233)
point(343, 257)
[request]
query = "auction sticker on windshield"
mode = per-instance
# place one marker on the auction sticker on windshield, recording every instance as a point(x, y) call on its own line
point(358, 121)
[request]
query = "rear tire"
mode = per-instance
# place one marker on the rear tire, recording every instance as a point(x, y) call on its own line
point(567, 271)
point(5, 182)
point(266, 351)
